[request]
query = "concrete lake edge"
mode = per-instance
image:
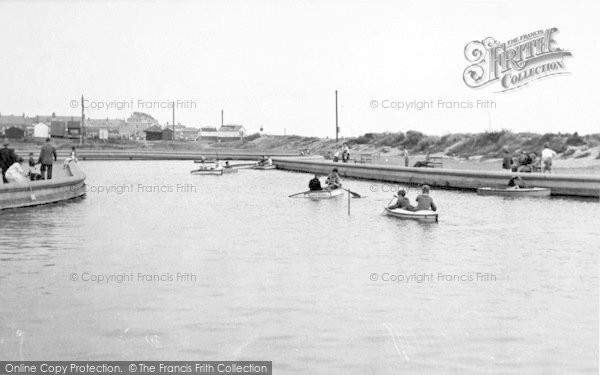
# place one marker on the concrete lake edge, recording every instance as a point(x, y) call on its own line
point(560, 184)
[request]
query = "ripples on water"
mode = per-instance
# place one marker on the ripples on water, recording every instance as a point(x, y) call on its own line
point(288, 280)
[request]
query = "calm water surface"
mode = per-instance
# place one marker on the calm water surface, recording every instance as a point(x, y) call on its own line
point(290, 280)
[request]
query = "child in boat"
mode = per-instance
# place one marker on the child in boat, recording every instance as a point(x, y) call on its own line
point(402, 202)
point(333, 180)
point(315, 184)
point(424, 201)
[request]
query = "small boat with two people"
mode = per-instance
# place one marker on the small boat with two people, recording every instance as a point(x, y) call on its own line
point(332, 189)
point(264, 164)
point(216, 170)
point(425, 210)
point(516, 188)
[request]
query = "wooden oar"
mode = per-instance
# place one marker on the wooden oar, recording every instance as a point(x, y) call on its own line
point(355, 195)
point(304, 192)
point(387, 205)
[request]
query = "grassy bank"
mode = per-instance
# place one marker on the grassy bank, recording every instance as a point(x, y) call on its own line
point(576, 153)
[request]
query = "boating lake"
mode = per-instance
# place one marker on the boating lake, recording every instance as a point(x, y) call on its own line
point(498, 286)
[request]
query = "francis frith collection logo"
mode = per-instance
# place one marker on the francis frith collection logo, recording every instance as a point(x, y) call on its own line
point(514, 63)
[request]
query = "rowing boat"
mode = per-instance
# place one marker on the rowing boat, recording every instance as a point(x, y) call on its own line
point(264, 167)
point(205, 161)
point(215, 172)
point(323, 194)
point(423, 215)
point(515, 192)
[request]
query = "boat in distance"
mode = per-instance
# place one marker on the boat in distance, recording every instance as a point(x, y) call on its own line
point(515, 192)
point(214, 172)
point(423, 215)
point(265, 167)
point(323, 194)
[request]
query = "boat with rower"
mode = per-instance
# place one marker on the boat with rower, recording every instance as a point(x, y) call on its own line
point(265, 167)
point(423, 215)
point(515, 192)
point(323, 194)
point(214, 172)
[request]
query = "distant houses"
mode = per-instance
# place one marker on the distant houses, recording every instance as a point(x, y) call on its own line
point(138, 126)
point(104, 129)
point(154, 133)
point(224, 134)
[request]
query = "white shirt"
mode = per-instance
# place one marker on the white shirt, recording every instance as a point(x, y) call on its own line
point(548, 154)
point(15, 173)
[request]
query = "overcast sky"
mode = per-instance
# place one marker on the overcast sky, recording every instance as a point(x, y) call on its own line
point(277, 64)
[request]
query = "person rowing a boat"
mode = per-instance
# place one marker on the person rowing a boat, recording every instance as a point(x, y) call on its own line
point(424, 201)
point(333, 180)
point(401, 201)
point(315, 184)
point(227, 165)
point(516, 182)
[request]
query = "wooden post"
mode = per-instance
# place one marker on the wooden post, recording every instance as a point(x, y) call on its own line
point(348, 203)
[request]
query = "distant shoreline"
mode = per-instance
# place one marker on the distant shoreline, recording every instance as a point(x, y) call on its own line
point(580, 159)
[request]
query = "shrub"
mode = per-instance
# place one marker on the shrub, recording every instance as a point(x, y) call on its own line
point(251, 137)
point(583, 155)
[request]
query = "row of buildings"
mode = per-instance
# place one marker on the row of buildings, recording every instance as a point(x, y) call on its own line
point(139, 126)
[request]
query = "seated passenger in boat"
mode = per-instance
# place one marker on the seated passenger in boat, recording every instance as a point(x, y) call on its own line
point(227, 165)
point(424, 201)
point(402, 202)
point(315, 184)
point(15, 173)
point(263, 161)
point(333, 180)
point(217, 166)
point(269, 160)
point(517, 182)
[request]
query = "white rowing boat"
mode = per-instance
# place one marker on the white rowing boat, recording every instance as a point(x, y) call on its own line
point(423, 215)
point(323, 194)
point(515, 192)
point(214, 172)
point(208, 172)
point(264, 167)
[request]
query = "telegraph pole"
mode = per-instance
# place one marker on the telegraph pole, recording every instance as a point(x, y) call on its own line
point(82, 121)
point(173, 120)
point(337, 128)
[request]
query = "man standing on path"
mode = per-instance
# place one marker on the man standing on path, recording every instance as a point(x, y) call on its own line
point(47, 158)
point(7, 158)
point(547, 155)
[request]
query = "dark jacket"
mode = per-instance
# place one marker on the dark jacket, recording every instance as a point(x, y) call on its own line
point(7, 158)
point(47, 154)
point(315, 184)
point(507, 162)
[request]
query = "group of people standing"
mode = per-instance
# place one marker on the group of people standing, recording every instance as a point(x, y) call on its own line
point(345, 154)
point(529, 161)
point(10, 163)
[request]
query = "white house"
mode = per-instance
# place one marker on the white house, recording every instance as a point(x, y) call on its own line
point(41, 130)
point(208, 134)
point(231, 132)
